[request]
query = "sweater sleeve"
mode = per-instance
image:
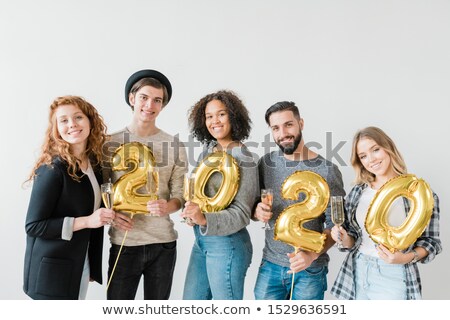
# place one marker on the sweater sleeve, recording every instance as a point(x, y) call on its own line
point(350, 223)
point(40, 220)
point(260, 173)
point(180, 168)
point(237, 215)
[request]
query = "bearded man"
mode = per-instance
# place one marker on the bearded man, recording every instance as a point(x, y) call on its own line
point(274, 279)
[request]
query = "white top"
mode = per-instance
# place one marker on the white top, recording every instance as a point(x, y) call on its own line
point(96, 188)
point(396, 216)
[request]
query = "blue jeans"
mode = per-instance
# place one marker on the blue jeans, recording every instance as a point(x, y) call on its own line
point(378, 280)
point(218, 266)
point(274, 283)
point(155, 262)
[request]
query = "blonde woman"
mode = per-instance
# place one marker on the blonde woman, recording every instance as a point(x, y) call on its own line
point(371, 271)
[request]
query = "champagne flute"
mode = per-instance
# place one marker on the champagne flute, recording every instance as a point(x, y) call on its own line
point(189, 189)
point(152, 185)
point(267, 198)
point(337, 215)
point(108, 196)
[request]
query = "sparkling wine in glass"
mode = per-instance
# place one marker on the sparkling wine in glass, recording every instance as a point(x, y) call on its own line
point(189, 184)
point(108, 197)
point(107, 194)
point(337, 214)
point(152, 185)
point(188, 190)
point(267, 198)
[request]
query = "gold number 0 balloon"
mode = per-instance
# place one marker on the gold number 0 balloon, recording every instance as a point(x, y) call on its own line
point(140, 158)
point(401, 237)
point(216, 162)
point(289, 225)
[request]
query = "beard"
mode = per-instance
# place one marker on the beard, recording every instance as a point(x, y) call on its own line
point(290, 147)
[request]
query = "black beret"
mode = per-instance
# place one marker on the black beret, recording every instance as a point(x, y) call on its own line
point(135, 77)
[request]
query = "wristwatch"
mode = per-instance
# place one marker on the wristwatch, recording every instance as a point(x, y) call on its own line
point(416, 256)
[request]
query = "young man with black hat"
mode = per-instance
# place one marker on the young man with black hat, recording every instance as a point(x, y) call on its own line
point(149, 248)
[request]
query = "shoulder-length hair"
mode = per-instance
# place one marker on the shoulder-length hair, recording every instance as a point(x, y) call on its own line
point(385, 142)
point(237, 113)
point(54, 146)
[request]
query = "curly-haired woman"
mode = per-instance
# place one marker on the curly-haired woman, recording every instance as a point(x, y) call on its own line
point(64, 222)
point(222, 250)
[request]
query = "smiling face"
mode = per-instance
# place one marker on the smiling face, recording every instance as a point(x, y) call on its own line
point(375, 159)
point(286, 131)
point(147, 103)
point(73, 126)
point(217, 122)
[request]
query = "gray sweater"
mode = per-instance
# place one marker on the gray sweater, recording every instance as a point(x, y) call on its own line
point(237, 215)
point(274, 168)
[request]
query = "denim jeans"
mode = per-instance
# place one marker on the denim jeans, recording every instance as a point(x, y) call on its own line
point(218, 266)
point(378, 280)
point(155, 262)
point(274, 283)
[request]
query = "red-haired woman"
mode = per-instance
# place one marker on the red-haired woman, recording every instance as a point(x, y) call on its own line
point(64, 222)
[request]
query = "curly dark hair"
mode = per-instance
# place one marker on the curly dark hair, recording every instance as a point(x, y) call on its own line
point(237, 113)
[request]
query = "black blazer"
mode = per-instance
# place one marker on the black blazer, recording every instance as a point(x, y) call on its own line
point(53, 267)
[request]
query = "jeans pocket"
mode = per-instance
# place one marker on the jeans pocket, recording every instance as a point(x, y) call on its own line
point(313, 271)
point(114, 250)
point(249, 248)
point(263, 262)
point(393, 272)
point(169, 245)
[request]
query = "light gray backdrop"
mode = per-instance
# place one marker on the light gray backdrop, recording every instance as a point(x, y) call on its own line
point(347, 64)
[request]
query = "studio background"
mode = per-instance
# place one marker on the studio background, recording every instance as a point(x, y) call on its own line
point(347, 64)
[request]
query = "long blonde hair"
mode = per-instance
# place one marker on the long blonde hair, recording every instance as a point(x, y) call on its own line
point(388, 145)
point(54, 145)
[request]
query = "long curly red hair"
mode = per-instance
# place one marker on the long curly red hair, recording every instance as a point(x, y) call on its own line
point(55, 146)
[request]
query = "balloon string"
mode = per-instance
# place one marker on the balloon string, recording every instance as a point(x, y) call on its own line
point(117, 259)
point(293, 276)
point(292, 285)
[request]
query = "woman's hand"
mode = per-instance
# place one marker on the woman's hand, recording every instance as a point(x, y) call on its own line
point(340, 235)
point(397, 257)
point(100, 217)
point(193, 212)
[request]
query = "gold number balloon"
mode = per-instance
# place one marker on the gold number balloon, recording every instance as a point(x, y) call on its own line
point(289, 225)
point(137, 159)
point(216, 162)
point(401, 237)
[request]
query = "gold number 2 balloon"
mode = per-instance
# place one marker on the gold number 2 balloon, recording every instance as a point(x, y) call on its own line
point(289, 225)
point(401, 237)
point(137, 159)
point(216, 162)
